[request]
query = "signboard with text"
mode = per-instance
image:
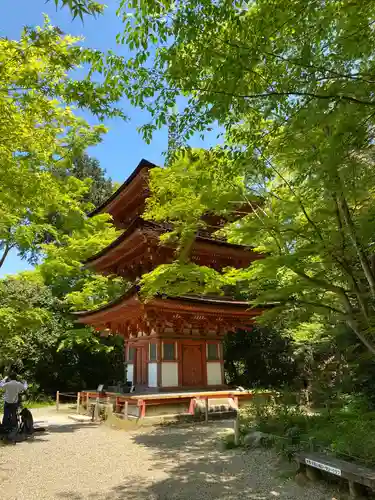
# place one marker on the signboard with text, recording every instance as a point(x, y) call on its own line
point(326, 468)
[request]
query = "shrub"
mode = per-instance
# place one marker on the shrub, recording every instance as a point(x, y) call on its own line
point(347, 432)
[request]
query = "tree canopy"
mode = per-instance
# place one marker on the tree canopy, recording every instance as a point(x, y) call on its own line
point(259, 61)
point(291, 84)
point(86, 167)
point(41, 135)
point(36, 341)
point(48, 185)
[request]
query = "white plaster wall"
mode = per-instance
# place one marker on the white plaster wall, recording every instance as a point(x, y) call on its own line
point(169, 374)
point(130, 372)
point(214, 373)
point(152, 374)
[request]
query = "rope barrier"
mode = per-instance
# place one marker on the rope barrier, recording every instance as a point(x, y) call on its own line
point(72, 395)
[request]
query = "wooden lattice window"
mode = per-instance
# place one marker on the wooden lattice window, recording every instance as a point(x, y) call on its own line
point(169, 351)
point(153, 352)
point(131, 354)
point(212, 352)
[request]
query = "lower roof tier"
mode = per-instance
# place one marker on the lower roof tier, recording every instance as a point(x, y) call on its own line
point(131, 317)
point(139, 250)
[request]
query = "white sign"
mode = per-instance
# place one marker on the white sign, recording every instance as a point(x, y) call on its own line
point(327, 468)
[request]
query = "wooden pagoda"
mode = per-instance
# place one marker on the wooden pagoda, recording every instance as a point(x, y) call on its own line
point(171, 343)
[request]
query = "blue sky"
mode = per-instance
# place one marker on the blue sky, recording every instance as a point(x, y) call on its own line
point(122, 147)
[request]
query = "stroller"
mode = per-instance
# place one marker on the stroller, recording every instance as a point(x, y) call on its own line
point(23, 428)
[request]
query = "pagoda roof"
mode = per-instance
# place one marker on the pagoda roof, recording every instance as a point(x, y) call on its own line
point(128, 315)
point(128, 201)
point(139, 246)
point(131, 192)
point(138, 223)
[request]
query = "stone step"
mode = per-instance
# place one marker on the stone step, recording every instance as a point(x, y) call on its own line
point(214, 406)
point(79, 418)
point(221, 415)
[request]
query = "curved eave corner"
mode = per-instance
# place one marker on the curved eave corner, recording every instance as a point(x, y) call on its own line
point(142, 164)
point(129, 294)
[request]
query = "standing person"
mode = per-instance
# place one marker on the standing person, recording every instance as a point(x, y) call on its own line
point(12, 388)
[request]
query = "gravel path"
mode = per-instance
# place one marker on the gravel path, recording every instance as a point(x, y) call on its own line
point(86, 462)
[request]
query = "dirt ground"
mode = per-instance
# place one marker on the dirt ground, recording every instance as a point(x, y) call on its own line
point(80, 461)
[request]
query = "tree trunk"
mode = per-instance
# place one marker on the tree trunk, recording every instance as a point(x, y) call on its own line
point(357, 244)
point(7, 249)
point(352, 323)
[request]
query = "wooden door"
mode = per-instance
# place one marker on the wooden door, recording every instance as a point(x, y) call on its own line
point(192, 365)
point(141, 366)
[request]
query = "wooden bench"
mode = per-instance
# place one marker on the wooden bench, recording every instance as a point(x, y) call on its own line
point(356, 475)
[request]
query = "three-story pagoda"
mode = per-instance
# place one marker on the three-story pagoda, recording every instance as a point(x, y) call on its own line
point(171, 343)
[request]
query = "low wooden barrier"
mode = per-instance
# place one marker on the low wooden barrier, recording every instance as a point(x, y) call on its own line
point(122, 402)
point(71, 395)
point(356, 475)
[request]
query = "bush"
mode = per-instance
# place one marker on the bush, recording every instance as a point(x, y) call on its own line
point(260, 357)
point(347, 432)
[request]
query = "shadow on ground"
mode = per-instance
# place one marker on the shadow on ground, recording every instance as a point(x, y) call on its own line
point(195, 466)
point(61, 428)
point(42, 435)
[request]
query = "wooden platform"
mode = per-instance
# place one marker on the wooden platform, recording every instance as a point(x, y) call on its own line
point(186, 402)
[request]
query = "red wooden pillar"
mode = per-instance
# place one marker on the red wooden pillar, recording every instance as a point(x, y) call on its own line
point(204, 363)
point(221, 358)
point(192, 406)
point(179, 362)
point(142, 407)
point(159, 360)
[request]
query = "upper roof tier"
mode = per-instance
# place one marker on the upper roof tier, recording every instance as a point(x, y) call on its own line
point(128, 202)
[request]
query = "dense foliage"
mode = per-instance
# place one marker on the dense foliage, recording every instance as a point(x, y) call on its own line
point(290, 82)
point(86, 167)
point(36, 341)
point(48, 184)
point(346, 431)
point(41, 135)
point(259, 358)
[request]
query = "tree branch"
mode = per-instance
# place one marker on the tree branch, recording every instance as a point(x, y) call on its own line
point(315, 304)
point(320, 283)
point(352, 323)
point(7, 249)
point(263, 95)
